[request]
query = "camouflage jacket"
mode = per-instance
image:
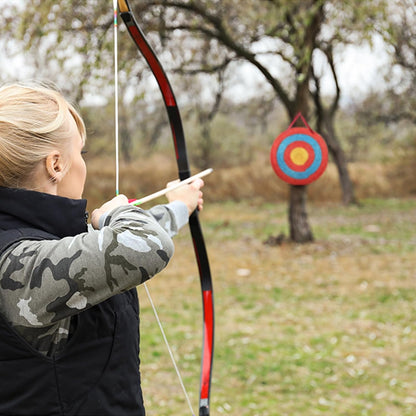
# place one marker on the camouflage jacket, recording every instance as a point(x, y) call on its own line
point(37, 276)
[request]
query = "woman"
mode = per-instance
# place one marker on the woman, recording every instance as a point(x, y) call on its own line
point(69, 318)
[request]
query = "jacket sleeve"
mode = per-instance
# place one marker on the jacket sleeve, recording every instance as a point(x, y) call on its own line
point(45, 281)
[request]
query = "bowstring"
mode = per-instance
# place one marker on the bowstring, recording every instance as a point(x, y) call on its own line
point(116, 133)
point(169, 349)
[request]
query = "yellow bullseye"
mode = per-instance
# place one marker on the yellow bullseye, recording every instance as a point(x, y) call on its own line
point(299, 156)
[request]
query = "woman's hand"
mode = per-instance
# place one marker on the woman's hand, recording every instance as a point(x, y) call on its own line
point(116, 202)
point(191, 195)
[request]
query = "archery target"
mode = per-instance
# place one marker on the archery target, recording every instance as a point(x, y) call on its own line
point(299, 156)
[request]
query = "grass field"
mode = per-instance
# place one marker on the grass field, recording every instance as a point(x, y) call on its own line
point(327, 328)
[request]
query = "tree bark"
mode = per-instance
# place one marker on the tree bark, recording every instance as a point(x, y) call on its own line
point(325, 124)
point(300, 231)
point(348, 194)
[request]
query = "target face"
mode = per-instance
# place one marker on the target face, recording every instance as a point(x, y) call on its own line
point(299, 156)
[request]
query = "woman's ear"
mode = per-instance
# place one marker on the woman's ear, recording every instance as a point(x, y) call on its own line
point(55, 166)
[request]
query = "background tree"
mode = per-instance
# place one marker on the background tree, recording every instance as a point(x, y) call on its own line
point(390, 109)
point(397, 100)
point(293, 28)
point(284, 35)
point(325, 124)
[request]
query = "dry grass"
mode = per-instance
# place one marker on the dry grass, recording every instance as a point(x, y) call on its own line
point(321, 329)
point(255, 181)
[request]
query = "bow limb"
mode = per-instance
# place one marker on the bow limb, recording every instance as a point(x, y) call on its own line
point(194, 224)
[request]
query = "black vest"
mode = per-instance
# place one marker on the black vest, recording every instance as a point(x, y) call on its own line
point(97, 373)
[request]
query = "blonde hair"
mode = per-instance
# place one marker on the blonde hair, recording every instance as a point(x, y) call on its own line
point(33, 122)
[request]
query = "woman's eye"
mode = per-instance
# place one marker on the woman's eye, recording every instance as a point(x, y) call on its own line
point(84, 152)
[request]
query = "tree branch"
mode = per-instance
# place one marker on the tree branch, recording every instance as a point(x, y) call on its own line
point(221, 34)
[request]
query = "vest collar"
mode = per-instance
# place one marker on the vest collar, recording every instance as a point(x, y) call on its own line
point(56, 215)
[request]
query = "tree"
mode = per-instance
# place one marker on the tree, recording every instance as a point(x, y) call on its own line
point(293, 27)
point(325, 124)
point(279, 38)
point(205, 114)
point(399, 33)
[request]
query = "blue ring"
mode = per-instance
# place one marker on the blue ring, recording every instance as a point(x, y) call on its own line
point(281, 153)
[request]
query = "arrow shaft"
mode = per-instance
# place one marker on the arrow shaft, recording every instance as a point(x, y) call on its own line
point(171, 188)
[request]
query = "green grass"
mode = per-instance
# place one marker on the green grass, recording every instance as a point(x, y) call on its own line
point(326, 328)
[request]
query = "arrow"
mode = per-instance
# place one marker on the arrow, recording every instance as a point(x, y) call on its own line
point(170, 188)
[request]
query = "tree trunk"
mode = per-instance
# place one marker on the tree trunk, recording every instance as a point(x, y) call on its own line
point(325, 123)
point(300, 232)
point(348, 195)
